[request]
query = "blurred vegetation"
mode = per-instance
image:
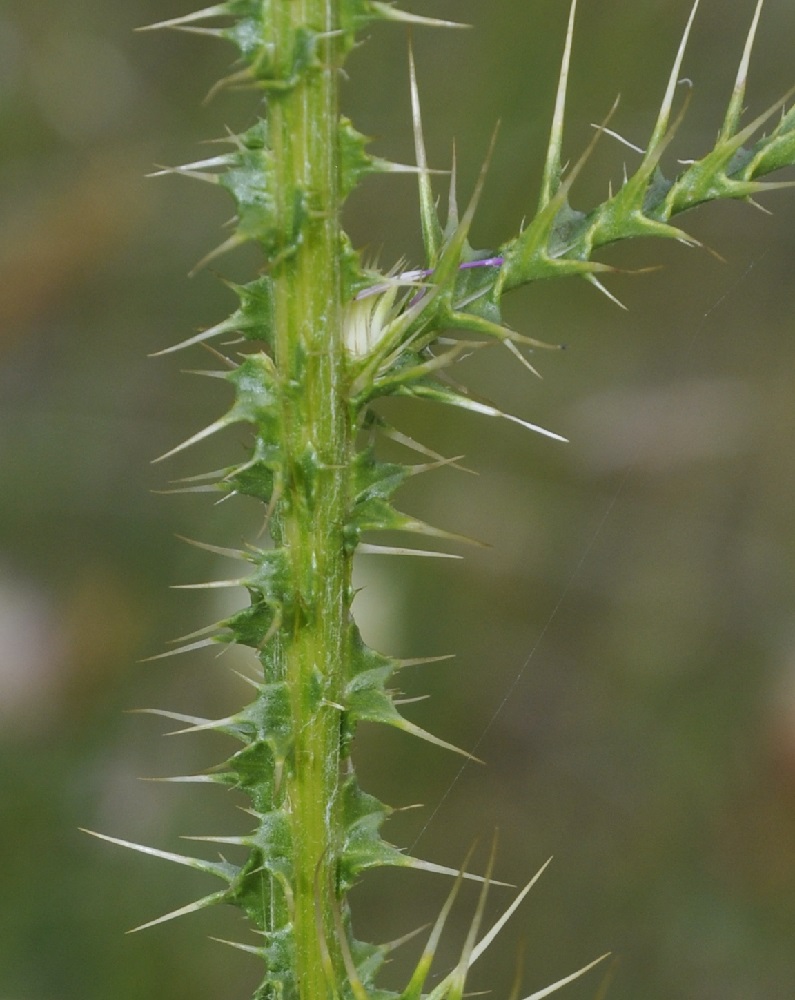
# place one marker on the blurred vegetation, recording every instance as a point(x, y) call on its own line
point(626, 646)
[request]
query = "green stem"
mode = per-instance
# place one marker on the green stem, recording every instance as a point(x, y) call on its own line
point(317, 451)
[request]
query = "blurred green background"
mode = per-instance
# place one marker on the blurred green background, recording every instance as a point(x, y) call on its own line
point(626, 646)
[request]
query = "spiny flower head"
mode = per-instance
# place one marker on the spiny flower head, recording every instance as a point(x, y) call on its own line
point(375, 312)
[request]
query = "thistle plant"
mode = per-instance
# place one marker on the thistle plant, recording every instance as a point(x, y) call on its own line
point(319, 337)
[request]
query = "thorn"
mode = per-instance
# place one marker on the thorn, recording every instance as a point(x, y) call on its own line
point(451, 258)
point(212, 488)
point(211, 867)
point(399, 942)
point(366, 548)
point(466, 403)
point(492, 411)
point(234, 241)
point(228, 496)
point(422, 467)
point(399, 722)
point(520, 357)
point(198, 632)
point(389, 13)
point(430, 226)
point(714, 253)
point(421, 528)
point(214, 474)
point(737, 140)
point(541, 225)
point(465, 961)
point(567, 979)
point(661, 127)
point(182, 649)
point(236, 841)
point(241, 76)
point(390, 167)
point(163, 714)
point(761, 187)
point(418, 661)
point(408, 442)
point(250, 948)
point(186, 779)
point(593, 280)
point(552, 169)
point(215, 549)
point(755, 204)
point(452, 199)
point(203, 725)
point(195, 169)
point(248, 680)
point(735, 109)
point(214, 331)
point(218, 10)
point(480, 324)
point(207, 372)
point(208, 32)
point(429, 866)
point(200, 904)
point(405, 701)
point(227, 362)
point(208, 431)
point(489, 937)
point(423, 966)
